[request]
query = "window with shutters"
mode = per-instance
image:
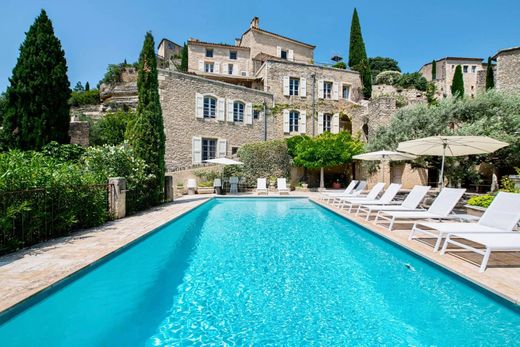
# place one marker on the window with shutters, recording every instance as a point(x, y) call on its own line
point(209, 67)
point(327, 90)
point(256, 114)
point(233, 55)
point(294, 116)
point(209, 149)
point(209, 52)
point(230, 69)
point(327, 122)
point(345, 92)
point(210, 107)
point(294, 86)
point(238, 111)
point(283, 54)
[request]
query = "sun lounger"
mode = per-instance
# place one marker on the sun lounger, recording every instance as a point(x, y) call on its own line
point(491, 242)
point(372, 195)
point(410, 203)
point(281, 186)
point(440, 208)
point(358, 191)
point(501, 216)
point(261, 186)
point(347, 191)
point(386, 198)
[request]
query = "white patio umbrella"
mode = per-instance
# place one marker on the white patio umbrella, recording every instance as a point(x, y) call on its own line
point(384, 156)
point(223, 161)
point(451, 146)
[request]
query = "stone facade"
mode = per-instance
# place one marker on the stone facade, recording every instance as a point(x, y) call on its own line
point(275, 77)
point(507, 75)
point(446, 70)
point(184, 129)
point(167, 53)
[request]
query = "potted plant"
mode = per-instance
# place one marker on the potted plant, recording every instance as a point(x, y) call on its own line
point(180, 188)
point(272, 183)
point(477, 205)
point(336, 184)
point(205, 187)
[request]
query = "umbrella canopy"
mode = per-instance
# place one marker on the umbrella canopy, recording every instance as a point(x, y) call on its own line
point(223, 161)
point(451, 146)
point(384, 156)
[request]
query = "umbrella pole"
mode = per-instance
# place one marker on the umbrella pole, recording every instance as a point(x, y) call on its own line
point(441, 183)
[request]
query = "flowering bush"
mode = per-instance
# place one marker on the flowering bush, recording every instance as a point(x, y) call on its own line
point(388, 77)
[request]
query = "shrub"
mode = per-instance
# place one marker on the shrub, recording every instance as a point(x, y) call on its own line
point(340, 65)
point(110, 130)
point(481, 200)
point(388, 77)
point(412, 80)
point(63, 153)
point(88, 97)
point(264, 159)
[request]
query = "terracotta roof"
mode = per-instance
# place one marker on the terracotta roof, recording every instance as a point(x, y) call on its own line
point(505, 50)
point(277, 35)
point(215, 44)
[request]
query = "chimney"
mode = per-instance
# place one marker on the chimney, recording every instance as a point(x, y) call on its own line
point(255, 22)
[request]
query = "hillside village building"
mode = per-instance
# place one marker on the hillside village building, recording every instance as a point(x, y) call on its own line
point(222, 101)
point(473, 72)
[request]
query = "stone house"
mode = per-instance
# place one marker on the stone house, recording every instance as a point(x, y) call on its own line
point(263, 87)
point(473, 71)
point(167, 52)
point(507, 75)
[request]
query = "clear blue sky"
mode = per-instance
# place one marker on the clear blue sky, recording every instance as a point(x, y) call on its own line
point(95, 33)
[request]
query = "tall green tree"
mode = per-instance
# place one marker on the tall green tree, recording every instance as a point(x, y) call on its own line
point(457, 85)
point(78, 87)
point(434, 70)
point(146, 133)
point(184, 58)
point(357, 55)
point(87, 86)
point(490, 77)
point(37, 109)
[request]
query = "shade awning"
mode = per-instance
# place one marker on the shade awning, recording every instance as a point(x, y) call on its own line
point(451, 146)
point(223, 161)
point(384, 155)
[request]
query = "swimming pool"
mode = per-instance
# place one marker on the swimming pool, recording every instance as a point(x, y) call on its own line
point(263, 272)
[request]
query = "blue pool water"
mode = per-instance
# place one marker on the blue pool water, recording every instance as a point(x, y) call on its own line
point(263, 272)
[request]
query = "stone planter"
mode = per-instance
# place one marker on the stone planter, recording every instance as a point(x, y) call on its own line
point(476, 211)
point(515, 179)
point(301, 189)
point(205, 190)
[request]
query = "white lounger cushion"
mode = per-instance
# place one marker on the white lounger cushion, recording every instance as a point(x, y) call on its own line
point(460, 227)
point(494, 241)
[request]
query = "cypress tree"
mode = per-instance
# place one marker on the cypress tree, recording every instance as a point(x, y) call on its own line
point(37, 109)
point(490, 77)
point(184, 58)
point(146, 134)
point(434, 70)
point(457, 85)
point(87, 86)
point(357, 55)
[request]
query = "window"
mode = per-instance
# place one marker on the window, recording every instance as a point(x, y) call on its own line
point(256, 114)
point(234, 150)
point(465, 69)
point(233, 55)
point(209, 52)
point(453, 67)
point(230, 69)
point(209, 149)
point(327, 90)
point(238, 111)
point(294, 86)
point(293, 121)
point(210, 107)
point(283, 54)
point(473, 68)
point(208, 67)
point(346, 92)
point(327, 122)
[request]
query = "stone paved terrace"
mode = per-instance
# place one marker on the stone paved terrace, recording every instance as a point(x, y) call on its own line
point(27, 272)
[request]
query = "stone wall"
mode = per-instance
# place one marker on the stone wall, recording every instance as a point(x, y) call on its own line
point(273, 73)
point(79, 133)
point(178, 100)
point(508, 70)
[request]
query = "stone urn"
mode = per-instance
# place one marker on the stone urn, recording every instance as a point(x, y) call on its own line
point(336, 185)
